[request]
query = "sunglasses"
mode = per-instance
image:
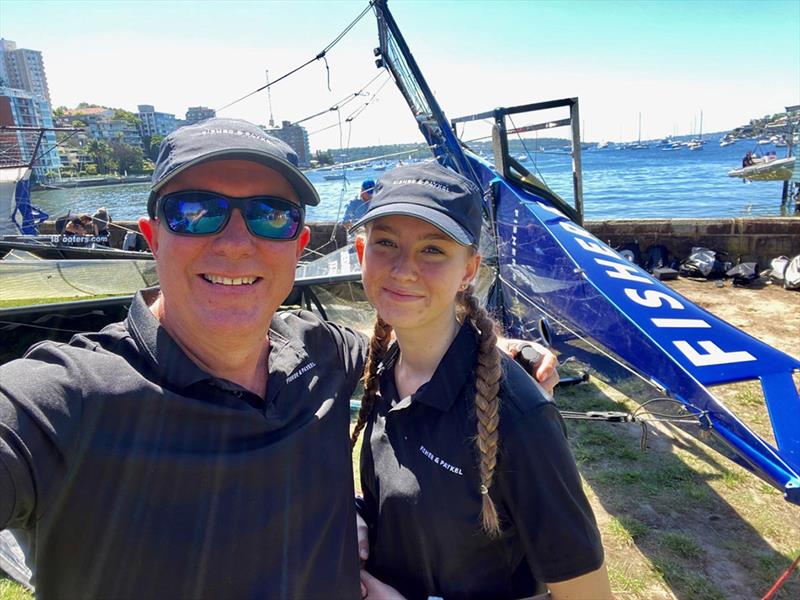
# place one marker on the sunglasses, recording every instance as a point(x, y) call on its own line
point(206, 213)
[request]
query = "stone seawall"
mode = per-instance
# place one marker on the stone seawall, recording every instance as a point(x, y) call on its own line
point(750, 239)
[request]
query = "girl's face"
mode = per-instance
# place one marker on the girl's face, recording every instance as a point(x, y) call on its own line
point(412, 272)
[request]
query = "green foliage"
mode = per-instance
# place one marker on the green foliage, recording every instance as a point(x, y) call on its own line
point(77, 123)
point(323, 157)
point(129, 159)
point(121, 114)
point(60, 111)
point(87, 105)
point(91, 169)
point(102, 155)
point(152, 144)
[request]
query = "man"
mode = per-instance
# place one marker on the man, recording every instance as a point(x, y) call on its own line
point(199, 448)
point(358, 206)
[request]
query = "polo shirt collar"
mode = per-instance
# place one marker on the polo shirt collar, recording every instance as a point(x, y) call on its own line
point(454, 371)
point(175, 368)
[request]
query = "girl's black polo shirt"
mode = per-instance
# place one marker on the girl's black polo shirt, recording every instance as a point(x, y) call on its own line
point(422, 497)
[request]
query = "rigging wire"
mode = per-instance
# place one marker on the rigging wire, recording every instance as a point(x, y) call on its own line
point(527, 152)
point(321, 55)
point(337, 105)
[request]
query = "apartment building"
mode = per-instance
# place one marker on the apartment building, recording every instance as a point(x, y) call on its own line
point(154, 122)
point(23, 69)
point(195, 114)
point(297, 137)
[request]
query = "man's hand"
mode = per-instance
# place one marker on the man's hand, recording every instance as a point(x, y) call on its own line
point(545, 370)
point(374, 589)
point(363, 539)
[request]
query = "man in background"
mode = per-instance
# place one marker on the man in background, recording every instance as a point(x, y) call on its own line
point(358, 206)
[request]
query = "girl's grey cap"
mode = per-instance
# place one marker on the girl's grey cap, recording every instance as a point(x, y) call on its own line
point(433, 193)
point(229, 139)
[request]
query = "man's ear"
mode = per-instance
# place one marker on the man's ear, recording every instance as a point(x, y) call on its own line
point(360, 241)
point(302, 240)
point(149, 229)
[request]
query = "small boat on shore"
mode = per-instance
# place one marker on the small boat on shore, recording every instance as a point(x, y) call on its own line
point(767, 169)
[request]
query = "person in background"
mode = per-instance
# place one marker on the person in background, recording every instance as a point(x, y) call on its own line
point(100, 221)
point(470, 488)
point(358, 206)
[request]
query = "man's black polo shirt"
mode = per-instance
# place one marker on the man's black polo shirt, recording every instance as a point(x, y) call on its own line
point(130, 472)
point(421, 487)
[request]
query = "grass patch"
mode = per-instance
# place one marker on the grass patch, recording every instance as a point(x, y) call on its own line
point(11, 590)
point(624, 579)
point(627, 530)
point(38, 301)
point(687, 583)
point(681, 545)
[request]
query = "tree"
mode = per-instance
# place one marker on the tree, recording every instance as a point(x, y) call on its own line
point(60, 111)
point(121, 114)
point(128, 158)
point(324, 158)
point(102, 156)
point(154, 143)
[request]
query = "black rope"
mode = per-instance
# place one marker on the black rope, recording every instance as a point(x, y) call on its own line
point(320, 55)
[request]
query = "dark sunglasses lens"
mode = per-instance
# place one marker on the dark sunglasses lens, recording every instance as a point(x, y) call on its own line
point(198, 214)
point(273, 220)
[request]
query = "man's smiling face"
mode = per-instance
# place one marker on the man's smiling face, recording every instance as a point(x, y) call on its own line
point(230, 283)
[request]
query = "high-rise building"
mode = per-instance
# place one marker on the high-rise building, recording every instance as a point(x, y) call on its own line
point(195, 114)
point(19, 108)
point(155, 123)
point(23, 69)
point(297, 137)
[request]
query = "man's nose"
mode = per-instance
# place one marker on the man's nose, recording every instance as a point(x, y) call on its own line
point(235, 239)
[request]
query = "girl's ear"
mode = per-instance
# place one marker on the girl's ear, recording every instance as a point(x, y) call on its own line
point(360, 241)
point(471, 270)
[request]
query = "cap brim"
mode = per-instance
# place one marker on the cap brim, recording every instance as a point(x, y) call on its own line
point(302, 186)
point(441, 221)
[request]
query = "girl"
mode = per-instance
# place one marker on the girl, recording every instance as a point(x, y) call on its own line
point(470, 489)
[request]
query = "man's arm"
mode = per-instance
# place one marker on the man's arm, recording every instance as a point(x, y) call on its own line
point(593, 585)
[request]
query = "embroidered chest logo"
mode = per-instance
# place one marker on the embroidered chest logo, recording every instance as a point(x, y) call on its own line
point(442, 463)
point(301, 371)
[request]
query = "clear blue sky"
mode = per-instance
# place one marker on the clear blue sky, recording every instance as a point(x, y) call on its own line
point(667, 60)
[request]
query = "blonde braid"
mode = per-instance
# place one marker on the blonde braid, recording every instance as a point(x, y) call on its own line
point(487, 404)
point(378, 345)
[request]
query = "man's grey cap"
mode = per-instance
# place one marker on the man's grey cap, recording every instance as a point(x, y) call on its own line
point(433, 193)
point(226, 139)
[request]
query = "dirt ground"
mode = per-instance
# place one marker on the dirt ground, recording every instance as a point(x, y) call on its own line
point(682, 520)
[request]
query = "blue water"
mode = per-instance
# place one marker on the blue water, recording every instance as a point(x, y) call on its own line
point(652, 183)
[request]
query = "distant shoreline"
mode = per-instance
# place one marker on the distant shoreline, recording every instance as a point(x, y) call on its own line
point(91, 182)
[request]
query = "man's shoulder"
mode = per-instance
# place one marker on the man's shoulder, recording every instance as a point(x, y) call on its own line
point(83, 356)
point(306, 327)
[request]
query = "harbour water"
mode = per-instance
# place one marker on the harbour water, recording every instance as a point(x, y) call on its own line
point(617, 184)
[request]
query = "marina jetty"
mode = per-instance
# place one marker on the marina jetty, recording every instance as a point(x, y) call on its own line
point(749, 239)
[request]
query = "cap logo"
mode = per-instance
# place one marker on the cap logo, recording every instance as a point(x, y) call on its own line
point(425, 182)
point(238, 132)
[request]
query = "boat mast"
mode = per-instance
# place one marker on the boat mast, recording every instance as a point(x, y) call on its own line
point(269, 102)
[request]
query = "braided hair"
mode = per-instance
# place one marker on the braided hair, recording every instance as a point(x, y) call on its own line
point(487, 404)
point(488, 373)
point(378, 345)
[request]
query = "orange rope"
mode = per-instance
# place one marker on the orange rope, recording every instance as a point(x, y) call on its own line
point(781, 580)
